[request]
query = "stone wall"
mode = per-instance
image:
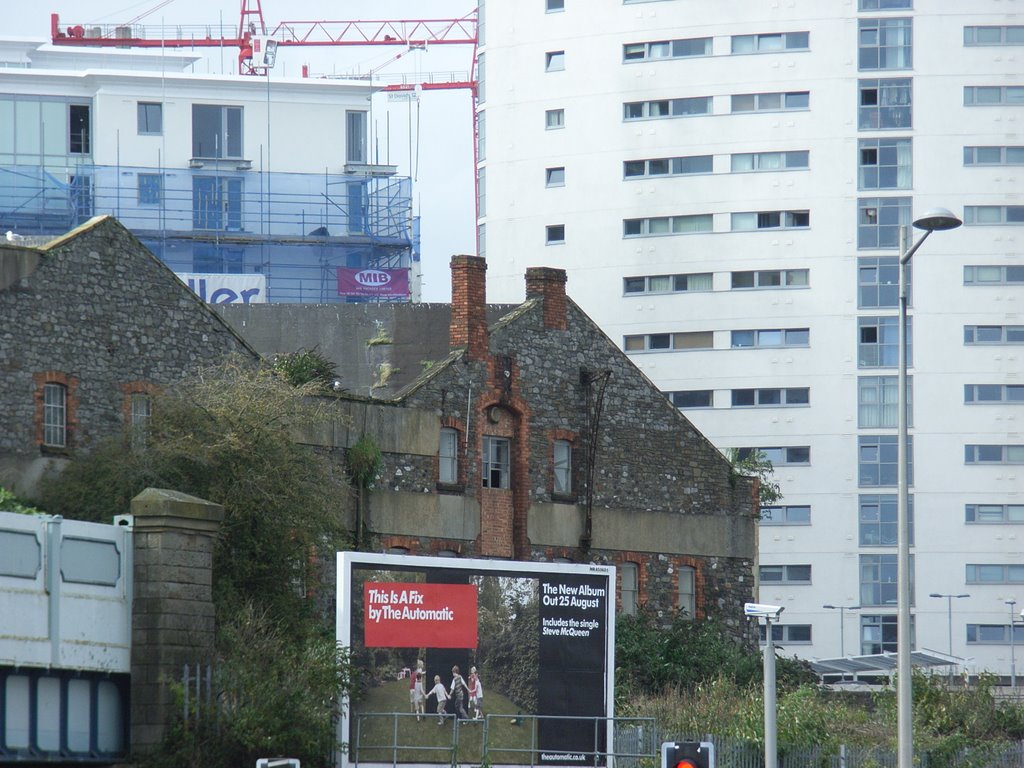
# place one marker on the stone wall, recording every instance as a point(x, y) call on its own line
point(97, 312)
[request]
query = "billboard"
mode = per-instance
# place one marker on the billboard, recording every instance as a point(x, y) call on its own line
point(380, 283)
point(246, 288)
point(424, 631)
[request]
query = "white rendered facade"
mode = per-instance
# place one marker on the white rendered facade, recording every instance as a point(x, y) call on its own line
point(743, 145)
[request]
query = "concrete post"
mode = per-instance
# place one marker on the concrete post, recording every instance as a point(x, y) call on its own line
point(172, 608)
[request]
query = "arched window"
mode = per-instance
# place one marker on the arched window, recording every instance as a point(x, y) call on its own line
point(629, 588)
point(55, 415)
point(687, 592)
point(448, 457)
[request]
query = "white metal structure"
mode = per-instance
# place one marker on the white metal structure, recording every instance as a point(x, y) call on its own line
point(724, 183)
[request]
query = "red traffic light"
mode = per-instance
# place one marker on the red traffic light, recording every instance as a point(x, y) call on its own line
point(687, 754)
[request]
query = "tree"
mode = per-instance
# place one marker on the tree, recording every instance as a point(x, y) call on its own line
point(757, 465)
point(227, 435)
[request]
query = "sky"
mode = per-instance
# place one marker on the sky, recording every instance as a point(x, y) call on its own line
point(430, 140)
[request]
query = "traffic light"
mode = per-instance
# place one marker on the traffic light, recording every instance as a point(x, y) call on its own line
point(687, 754)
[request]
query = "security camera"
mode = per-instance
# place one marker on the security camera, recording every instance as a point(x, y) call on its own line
point(762, 611)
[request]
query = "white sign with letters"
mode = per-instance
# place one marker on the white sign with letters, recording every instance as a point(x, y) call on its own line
point(249, 288)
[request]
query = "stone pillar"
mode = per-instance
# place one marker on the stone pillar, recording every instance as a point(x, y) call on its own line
point(172, 606)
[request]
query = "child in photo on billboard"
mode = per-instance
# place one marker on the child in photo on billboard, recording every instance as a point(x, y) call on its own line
point(458, 693)
point(440, 694)
point(417, 690)
point(476, 694)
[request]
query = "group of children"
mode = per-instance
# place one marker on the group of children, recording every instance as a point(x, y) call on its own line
point(457, 693)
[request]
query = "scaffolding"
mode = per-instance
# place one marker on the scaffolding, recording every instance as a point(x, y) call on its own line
point(220, 217)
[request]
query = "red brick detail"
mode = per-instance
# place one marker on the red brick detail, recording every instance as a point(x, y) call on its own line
point(548, 284)
point(134, 388)
point(70, 384)
point(468, 326)
point(497, 512)
point(640, 560)
point(684, 561)
point(408, 543)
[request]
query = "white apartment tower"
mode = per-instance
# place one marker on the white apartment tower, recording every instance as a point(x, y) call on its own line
point(725, 183)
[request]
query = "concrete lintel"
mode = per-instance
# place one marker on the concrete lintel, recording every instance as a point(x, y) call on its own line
point(159, 509)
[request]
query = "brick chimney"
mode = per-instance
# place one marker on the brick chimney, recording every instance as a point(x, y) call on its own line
point(469, 306)
point(548, 284)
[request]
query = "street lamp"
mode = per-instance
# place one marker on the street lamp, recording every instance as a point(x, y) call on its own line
point(949, 614)
point(1013, 660)
point(768, 613)
point(842, 610)
point(935, 220)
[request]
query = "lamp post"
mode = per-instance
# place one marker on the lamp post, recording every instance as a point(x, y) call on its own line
point(949, 615)
point(842, 633)
point(1013, 660)
point(937, 219)
point(768, 613)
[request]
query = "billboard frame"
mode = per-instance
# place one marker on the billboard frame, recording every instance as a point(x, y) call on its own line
point(349, 561)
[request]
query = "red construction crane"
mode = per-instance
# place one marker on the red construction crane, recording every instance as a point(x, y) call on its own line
point(253, 31)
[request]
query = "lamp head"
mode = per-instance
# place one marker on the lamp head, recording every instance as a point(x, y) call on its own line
point(937, 220)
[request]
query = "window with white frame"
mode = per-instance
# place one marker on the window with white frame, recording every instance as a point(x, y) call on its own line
point(553, 6)
point(770, 278)
point(151, 187)
point(878, 633)
point(770, 161)
point(448, 457)
point(1008, 155)
point(878, 342)
point(554, 119)
point(994, 454)
point(993, 214)
point(667, 49)
point(878, 281)
point(994, 634)
point(994, 513)
point(995, 573)
point(770, 42)
point(993, 274)
point(687, 593)
point(655, 342)
point(660, 108)
point(886, 44)
point(791, 455)
point(994, 393)
point(561, 451)
point(988, 95)
point(769, 397)
point(785, 574)
point(876, 460)
point(877, 401)
point(700, 281)
point(994, 334)
point(884, 5)
point(667, 225)
point(629, 588)
point(879, 520)
point(141, 411)
point(497, 467)
point(771, 337)
point(878, 582)
point(1011, 34)
point(554, 61)
point(55, 415)
point(667, 166)
point(217, 131)
point(150, 118)
point(554, 234)
point(879, 220)
point(884, 104)
point(771, 102)
point(885, 163)
point(692, 398)
point(790, 634)
point(787, 514)
point(554, 177)
point(760, 220)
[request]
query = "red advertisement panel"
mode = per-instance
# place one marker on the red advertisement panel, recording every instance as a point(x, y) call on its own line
point(383, 283)
point(406, 615)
